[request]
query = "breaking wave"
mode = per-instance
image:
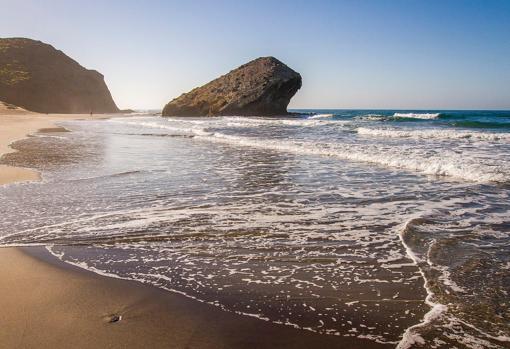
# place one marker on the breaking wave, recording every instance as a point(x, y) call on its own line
point(441, 165)
point(321, 116)
point(433, 134)
point(448, 164)
point(425, 116)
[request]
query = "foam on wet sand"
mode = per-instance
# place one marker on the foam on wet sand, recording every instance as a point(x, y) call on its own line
point(47, 304)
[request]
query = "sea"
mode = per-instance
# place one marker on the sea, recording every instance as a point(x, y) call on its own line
point(386, 225)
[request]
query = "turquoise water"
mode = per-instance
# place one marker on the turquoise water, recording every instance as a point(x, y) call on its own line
point(479, 119)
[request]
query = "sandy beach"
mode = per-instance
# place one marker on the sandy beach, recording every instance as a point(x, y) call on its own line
point(16, 124)
point(48, 304)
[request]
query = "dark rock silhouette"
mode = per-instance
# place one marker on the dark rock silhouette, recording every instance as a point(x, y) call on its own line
point(261, 87)
point(37, 77)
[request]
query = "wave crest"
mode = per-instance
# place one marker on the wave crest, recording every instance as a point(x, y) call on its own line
point(432, 134)
point(320, 116)
point(424, 116)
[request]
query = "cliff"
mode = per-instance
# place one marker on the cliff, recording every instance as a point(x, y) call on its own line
point(37, 77)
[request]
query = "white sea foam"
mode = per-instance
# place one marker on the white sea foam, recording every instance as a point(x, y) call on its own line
point(315, 120)
point(320, 116)
point(149, 278)
point(450, 165)
point(371, 117)
point(417, 115)
point(439, 314)
point(433, 134)
point(199, 126)
point(411, 336)
point(182, 130)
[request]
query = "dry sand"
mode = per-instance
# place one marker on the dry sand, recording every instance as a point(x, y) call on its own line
point(11, 109)
point(45, 303)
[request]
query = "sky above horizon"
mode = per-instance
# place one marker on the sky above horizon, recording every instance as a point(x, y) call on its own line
point(372, 54)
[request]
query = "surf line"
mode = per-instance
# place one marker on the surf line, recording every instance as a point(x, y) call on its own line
point(411, 336)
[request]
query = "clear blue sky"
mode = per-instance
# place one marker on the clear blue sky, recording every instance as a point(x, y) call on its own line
point(440, 54)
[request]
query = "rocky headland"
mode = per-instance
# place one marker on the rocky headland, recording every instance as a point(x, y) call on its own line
point(262, 87)
point(40, 78)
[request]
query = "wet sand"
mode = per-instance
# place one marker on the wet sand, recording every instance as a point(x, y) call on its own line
point(49, 304)
point(14, 127)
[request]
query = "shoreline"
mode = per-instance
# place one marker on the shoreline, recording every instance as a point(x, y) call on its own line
point(47, 303)
point(16, 127)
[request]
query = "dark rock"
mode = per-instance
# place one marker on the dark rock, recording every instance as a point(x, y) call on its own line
point(115, 318)
point(37, 77)
point(261, 87)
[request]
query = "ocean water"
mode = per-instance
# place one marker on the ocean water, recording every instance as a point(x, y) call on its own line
point(390, 226)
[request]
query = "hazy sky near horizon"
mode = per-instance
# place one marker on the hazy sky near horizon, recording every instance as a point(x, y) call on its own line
point(407, 54)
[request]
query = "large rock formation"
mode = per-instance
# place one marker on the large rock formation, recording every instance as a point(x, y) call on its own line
point(37, 77)
point(261, 87)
